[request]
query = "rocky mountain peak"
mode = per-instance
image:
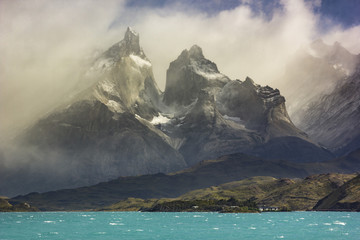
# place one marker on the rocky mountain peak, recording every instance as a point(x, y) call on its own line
point(249, 81)
point(335, 55)
point(132, 41)
point(196, 52)
point(130, 45)
point(124, 78)
point(190, 73)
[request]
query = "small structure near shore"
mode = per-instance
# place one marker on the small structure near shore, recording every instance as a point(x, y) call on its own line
point(268, 209)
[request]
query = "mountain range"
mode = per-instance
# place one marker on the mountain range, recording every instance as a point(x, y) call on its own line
point(121, 124)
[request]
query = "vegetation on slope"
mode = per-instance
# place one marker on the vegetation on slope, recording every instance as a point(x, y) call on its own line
point(285, 194)
point(345, 198)
point(5, 206)
point(231, 205)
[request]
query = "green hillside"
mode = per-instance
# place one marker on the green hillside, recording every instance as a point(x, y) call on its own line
point(345, 198)
point(285, 194)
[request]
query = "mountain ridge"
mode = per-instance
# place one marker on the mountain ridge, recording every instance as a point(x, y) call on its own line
point(208, 173)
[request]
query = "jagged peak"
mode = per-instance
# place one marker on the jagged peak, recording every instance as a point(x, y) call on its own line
point(249, 81)
point(129, 45)
point(131, 42)
point(196, 52)
point(130, 32)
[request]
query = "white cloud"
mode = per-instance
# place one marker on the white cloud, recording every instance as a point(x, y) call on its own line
point(239, 42)
point(43, 44)
point(349, 38)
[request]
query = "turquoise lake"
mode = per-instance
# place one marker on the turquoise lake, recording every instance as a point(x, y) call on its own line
point(138, 225)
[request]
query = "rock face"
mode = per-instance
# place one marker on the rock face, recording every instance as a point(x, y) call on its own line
point(122, 125)
point(333, 119)
point(190, 73)
point(124, 79)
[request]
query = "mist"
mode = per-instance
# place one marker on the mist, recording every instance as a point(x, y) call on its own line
point(44, 47)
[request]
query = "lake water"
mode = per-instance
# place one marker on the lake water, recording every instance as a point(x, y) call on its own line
point(137, 225)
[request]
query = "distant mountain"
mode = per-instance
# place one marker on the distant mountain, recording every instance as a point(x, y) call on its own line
point(333, 118)
point(205, 174)
point(345, 198)
point(321, 85)
point(313, 72)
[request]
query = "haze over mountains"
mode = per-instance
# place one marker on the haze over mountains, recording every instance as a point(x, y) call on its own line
point(323, 95)
point(121, 124)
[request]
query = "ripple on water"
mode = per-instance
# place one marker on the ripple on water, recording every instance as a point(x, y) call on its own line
point(116, 224)
point(339, 223)
point(313, 224)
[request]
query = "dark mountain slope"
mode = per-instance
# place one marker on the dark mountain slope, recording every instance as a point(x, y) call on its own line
point(205, 174)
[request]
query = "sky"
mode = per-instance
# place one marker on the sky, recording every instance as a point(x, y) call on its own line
point(45, 45)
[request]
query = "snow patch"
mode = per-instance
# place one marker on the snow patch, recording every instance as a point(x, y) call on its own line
point(160, 119)
point(132, 31)
point(139, 61)
point(210, 76)
point(234, 119)
point(341, 68)
point(114, 106)
point(206, 71)
point(109, 87)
